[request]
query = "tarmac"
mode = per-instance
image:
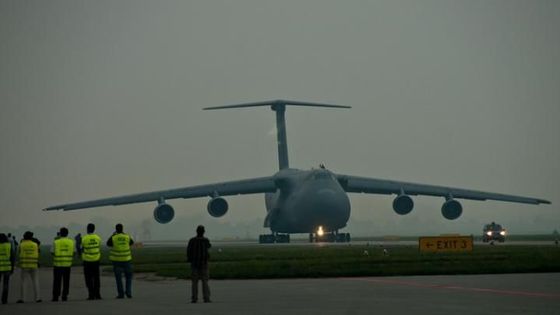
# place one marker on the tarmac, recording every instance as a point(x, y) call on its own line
point(458, 294)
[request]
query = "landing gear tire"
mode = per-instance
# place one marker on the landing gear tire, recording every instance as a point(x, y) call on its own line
point(282, 238)
point(343, 237)
point(274, 238)
point(266, 239)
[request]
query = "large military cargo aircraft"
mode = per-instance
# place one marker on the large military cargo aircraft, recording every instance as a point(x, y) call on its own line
point(301, 201)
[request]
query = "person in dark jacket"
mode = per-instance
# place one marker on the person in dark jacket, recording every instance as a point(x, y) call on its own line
point(197, 256)
point(7, 262)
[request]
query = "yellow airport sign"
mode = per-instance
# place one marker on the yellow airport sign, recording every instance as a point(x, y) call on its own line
point(436, 244)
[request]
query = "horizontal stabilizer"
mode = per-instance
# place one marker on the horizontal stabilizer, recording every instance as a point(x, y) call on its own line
point(277, 103)
point(279, 106)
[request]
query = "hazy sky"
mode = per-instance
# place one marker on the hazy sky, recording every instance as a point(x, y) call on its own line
point(104, 98)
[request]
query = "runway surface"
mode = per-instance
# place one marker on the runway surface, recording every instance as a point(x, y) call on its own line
point(473, 294)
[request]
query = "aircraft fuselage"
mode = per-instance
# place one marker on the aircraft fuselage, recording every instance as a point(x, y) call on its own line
point(305, 201)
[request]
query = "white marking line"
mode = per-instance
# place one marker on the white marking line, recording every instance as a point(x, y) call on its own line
point(460, 288)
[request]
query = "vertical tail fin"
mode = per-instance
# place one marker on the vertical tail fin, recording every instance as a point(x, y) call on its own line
point(279, 106)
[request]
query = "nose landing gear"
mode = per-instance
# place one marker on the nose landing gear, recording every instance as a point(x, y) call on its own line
point(329, 237)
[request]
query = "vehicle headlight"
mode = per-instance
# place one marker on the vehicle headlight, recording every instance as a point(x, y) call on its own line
point(503, 233)
point(489, 233)
point(320, 231)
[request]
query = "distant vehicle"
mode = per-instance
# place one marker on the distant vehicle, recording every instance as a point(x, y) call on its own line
point(493, 232)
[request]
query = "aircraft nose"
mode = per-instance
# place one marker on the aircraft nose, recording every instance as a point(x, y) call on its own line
point(325, 197)
point(331, 203)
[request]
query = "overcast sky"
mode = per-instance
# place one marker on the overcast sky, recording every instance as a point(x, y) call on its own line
point(104, 98)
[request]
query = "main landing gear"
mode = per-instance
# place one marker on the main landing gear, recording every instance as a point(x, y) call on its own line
point(274, 238)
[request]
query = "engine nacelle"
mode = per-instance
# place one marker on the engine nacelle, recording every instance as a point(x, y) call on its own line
point(403, 204)
point(164, 213)
point(451, 209)
point(217, 207)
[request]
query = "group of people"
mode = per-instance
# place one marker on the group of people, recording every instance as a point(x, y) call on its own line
point(88, 247)
point(63, 251)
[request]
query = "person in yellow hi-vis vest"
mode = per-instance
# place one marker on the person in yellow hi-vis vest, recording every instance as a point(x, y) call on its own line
point(28, 252)
point(121, 257)
point(63, 253)
point(91, 254)
point(7, 260)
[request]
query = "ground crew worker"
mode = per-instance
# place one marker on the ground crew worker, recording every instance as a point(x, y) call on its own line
point(78, 242)
point(13, 242)
point(121, 256)
point(28, 252)
point(197, 255)
point(91, 254)
point(7, 259)
point(63, 252)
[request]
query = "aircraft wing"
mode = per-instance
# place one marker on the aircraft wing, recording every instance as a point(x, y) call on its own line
point(239, 187)
point(381, 186)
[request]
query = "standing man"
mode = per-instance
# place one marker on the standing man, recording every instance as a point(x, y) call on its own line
point(29, 263)
point(78, 242)
point(6, 265)
point(121, 256)
point(197, 255)
point(91, 254)
point(63, 251)
point(13, 242)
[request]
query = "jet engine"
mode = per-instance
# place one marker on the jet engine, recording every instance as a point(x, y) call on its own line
point(217, 207)
point(451, 209)
point(403, 204)
point(164, 213)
